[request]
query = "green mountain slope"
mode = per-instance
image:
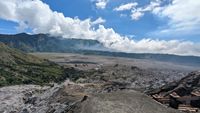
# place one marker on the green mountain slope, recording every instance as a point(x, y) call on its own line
point(47, 43)
point(17, 67)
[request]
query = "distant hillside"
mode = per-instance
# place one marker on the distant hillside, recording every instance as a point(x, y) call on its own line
point(183, 60)
point(17, 67)
point(47, 43)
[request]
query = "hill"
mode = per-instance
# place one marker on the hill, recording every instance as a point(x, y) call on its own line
point(17, 67)
point(176, 59)
point(47, 43)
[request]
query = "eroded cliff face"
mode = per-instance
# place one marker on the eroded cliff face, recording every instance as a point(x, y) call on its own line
point(70, 97)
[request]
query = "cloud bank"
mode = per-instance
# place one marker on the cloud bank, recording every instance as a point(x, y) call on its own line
point(38, 16)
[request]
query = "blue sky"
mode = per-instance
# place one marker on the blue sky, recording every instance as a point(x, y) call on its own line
point(83, 9)
point(157, 23)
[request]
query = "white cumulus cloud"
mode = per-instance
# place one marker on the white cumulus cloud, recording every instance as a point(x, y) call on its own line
point(136, 14)
point(127, 6)
point(101, 4)
point(38, 16)
point(99, 21)
point(184, 16)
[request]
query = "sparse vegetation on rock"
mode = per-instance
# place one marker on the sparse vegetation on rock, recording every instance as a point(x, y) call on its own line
point(17, 67)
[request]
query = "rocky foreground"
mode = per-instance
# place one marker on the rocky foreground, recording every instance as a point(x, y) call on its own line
point(95, 85)
point(76, 98)
point(183, 95)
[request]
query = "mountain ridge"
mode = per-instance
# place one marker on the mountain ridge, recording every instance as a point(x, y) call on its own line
point(47, 43)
